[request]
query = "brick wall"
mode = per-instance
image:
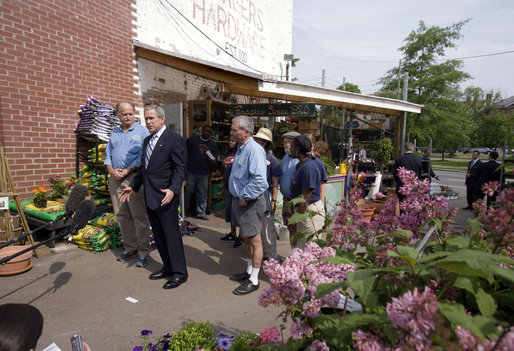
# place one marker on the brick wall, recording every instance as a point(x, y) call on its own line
point(53, 56)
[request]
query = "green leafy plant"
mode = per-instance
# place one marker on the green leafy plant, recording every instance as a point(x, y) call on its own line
point(60, 187)
point(330, 166)
point(382, 150)
point(193, 336)
point(246, 341)
point(414, 284)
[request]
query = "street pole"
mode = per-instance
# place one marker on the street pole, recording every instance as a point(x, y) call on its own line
point(404, 121)
point(321, 111)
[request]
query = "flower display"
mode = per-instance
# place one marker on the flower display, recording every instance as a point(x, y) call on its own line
point(270, 335)
point(398, 282)
point(40, 194)
point(61, 187)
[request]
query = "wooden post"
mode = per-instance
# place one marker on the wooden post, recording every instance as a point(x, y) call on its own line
point(7, 189)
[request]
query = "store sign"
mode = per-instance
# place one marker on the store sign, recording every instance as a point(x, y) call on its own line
point(242, 34)
point(292, 110)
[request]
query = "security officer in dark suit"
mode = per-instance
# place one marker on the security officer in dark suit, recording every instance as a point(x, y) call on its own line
point(162, 172)
point(408, 161)
point(488, 172)
point(472, 188)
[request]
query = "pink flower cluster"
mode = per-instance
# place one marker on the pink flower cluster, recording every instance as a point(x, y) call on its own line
point(351, 230)
point(299, 328)
point(270, 335)
point(318, 345)
point(414, 314)
point(500, 219)
point(365, 341)
point(470, 342)
point(297, 274)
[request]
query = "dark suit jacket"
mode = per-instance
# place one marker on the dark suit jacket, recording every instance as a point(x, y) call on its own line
point(410, 162)
point(486, 172)
point(473, 173)
point(166, 169)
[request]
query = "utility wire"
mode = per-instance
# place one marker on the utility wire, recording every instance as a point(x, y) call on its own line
point(477, 56)
point(205, 35)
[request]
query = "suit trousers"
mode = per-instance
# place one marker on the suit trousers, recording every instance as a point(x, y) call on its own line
point(168, 238)
point(131, 215)
point(472, 193)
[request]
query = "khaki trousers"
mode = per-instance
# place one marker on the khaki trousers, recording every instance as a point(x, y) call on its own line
point(131, 215)
point(309, 225)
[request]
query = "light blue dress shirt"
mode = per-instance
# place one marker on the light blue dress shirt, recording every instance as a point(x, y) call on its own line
point(288, 166)
point(248, 177)
point(124, 150)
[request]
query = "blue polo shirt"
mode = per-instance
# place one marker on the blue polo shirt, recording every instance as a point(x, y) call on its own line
point(307, 176)
point(124, 150)
point(288, 167)
point(273, 169)
point(322, 169)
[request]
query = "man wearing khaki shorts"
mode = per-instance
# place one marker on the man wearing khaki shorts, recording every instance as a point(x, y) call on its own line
point(247, 185)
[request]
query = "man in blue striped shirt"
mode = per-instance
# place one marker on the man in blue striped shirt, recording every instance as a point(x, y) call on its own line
point(247, 185)
point(122, 159)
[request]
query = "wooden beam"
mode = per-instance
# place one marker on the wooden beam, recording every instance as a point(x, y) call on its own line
point(199, 69)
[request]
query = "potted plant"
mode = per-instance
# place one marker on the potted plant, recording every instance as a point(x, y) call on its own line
point(40, 196)
point(382, 149)
point(379, 201)
point(60, 187)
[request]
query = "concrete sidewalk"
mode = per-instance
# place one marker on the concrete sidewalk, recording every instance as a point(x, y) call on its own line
point(84, 293)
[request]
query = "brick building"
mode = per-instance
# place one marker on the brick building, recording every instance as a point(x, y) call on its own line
point(54, 55)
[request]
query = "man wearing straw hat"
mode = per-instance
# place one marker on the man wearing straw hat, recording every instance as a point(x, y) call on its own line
point(268, 232)
point(247, 184)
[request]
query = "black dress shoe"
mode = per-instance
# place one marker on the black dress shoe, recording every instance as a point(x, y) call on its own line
point(245, 288)
point(239, 277)
point(159, 275)
point(174, 282)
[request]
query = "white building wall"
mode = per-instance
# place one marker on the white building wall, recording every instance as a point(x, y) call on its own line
point(252, 35)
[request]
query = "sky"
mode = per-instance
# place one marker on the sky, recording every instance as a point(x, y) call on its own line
point(359, 39)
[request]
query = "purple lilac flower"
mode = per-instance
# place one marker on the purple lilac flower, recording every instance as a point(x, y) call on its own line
point(414, 312)
point(365, 341)
point(138, 348)
point(288, 279)
point(318, 345)
point(146, 332)
point(299, 328)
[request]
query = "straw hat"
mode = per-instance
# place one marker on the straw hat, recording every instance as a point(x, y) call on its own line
point(265, 134)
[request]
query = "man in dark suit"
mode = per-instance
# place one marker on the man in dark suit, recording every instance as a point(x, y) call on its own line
point(408, 161)
point(472, 188)
point(162, 172)
point(487, 172)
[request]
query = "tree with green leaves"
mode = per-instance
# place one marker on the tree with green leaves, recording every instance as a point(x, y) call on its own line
point(490, 126)
point(432, 83)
